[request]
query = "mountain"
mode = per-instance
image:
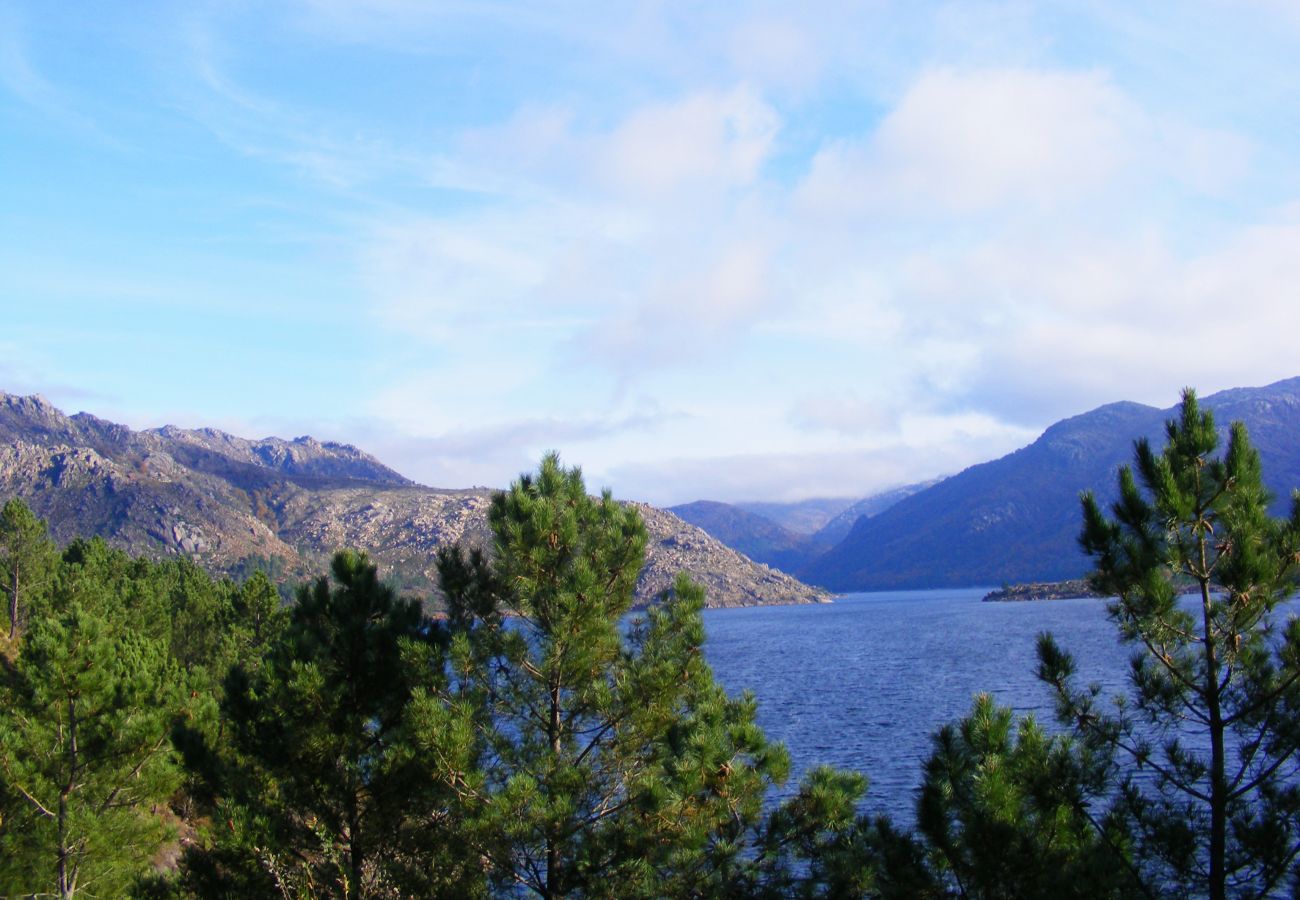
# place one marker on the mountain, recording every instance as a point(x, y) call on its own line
point(799, 516)
point(758, 537)
point(1016, 519)
point(838, 528)
point(764, 538)
point(234, 504)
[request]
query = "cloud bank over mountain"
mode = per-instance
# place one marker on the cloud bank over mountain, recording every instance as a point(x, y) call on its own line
point(686, 246)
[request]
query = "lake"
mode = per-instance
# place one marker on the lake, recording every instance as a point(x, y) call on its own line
point(863, 682)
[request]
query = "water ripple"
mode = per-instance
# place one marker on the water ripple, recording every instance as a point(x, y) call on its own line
point(863, 683)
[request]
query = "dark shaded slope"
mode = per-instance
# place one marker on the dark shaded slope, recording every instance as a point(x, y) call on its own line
point(1017, 518)
point(838, 528)
point(1013, 519)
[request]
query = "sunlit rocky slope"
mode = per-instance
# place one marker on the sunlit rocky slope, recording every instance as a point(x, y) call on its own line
point(233, 504)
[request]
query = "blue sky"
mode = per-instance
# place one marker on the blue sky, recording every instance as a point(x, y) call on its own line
point(735, 251)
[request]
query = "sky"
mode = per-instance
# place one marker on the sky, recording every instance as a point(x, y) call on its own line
point(749, 251)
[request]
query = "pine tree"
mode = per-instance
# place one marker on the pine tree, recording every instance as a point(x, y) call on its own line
point(1212, 733)
point(27, 558)
point(1007, 811)
point(318, 791)
point(87, 711)
point(258, 615)
point(596, 757)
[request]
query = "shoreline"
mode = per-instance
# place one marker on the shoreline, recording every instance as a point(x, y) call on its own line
point(1074, 589)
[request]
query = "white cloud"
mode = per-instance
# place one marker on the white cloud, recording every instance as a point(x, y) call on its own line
point(932, 446)
point(686, 313)
point(1210, 161)
point(959, 143)
point(997, 267)
point(843, 411)
point(852, 243)
point(702, 144)
point(433, 278)
point(707, 141)
point(457, 447)
point(776, 51)
point(643, 243)
point(1074, 321)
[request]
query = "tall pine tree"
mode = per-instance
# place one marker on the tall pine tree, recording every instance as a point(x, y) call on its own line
point(1006, 810)
point(27, 558)
point(1198, 568)
point(86, 712)
point(596, 757)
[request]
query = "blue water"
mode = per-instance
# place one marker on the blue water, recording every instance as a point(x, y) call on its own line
point(862, 683)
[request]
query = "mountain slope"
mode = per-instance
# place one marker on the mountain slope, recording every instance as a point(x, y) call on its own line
point(232, 504)
point(763, 538)
point(799, 516)
point(839, 527)
point(756, 536)
point(1016, 518)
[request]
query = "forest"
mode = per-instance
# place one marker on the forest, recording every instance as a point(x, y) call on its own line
point(166, 733)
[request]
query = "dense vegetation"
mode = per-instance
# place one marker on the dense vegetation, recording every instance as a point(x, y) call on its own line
point(163, 733)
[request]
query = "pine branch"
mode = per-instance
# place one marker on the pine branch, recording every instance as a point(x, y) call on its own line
point(40, 807)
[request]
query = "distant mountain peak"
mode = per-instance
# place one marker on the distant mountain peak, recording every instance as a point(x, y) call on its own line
point(32, 408)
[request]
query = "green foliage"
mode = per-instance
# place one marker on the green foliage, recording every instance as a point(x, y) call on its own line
point(597, 760)
point(317, 790)
point(118, 658)
point(1007, 812)
point(813, 845)
point(27, 557)
point(1214, 715)
point(273, 567)
point(85, 754)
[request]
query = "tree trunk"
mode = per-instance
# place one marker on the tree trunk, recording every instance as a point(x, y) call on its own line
point(68, 874)
point(552, 838)
point(356, 857)
point(13, 603)
point(1218, 780)
point(63, 844)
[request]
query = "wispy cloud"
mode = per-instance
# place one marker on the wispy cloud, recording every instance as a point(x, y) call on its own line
point(838, 245)
point(789, 477)
point(22, 79)
point(306, 140)
point(493, 454)
point(24, 379)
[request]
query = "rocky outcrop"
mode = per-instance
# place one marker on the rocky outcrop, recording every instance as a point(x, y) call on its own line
point(232, 503)
point(754, 535)
point(729, 578)
point(1049, 590)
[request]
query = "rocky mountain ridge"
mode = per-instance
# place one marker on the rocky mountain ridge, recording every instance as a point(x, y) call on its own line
point(234, 504)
